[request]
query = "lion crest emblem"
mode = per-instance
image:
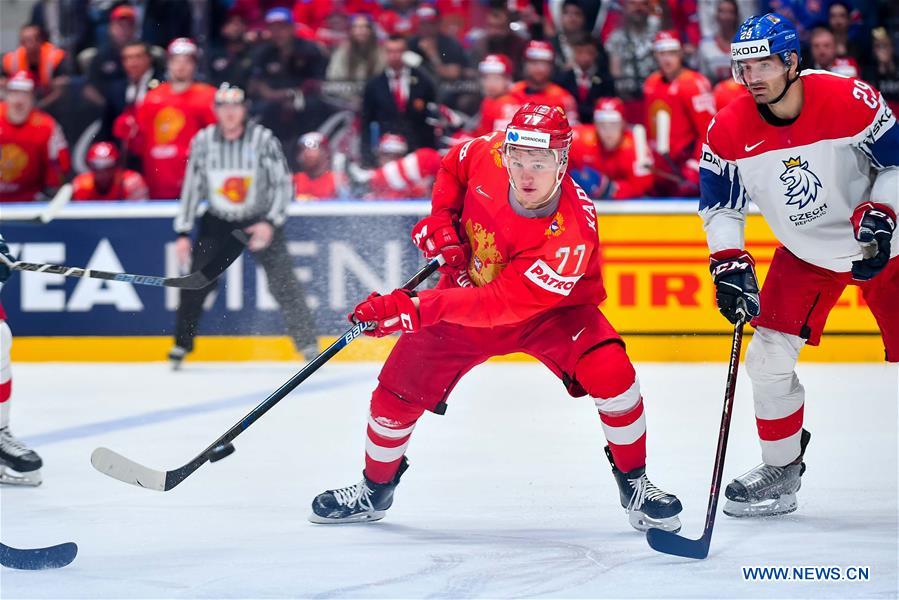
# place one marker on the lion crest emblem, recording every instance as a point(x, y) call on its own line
point(802, 184)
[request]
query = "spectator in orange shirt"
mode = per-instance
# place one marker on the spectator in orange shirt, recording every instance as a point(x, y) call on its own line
point(168, 119)
point(607, 159)
point(537, 87)
point(43, 60)
point(679, 105)
point(498, 106)
point(316, 180)
point(106, 180)
point(34, 156)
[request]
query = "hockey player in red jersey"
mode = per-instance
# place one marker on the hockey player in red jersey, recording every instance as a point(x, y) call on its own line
point(537, 87)
point(19, 465)
point(607, 160)
point(34, 157)
point(818, 153)
point(498, 106)
point(316, 180)
point(401, 174)
point(168, 119)
point(522, 274)
point(106, 180)
point(679, 105)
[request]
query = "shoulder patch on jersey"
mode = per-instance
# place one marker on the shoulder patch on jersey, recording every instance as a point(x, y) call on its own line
point(545, 277)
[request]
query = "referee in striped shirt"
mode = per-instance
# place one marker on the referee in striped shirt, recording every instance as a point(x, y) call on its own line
point(240, 170)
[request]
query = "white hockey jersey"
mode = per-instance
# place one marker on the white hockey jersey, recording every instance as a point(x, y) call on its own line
point(806, 177)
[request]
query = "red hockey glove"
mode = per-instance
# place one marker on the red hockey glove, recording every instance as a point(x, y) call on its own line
point(393, 312)
point(873, 225)
point(736, 287)
point(436, 235)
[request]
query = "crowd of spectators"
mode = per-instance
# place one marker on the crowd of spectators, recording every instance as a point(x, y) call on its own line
point(345, 83)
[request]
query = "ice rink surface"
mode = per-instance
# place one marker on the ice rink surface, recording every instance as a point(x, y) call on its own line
point(508, 494)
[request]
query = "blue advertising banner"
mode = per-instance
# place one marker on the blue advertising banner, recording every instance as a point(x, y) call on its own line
point(341, 252)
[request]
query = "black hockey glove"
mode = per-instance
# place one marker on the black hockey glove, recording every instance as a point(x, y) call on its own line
point(873, 225)
point(5, 271)
point(736, 287)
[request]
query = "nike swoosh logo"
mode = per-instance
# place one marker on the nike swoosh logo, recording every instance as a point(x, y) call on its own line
point(577, 335)
point(482, 192)
point(753, 147)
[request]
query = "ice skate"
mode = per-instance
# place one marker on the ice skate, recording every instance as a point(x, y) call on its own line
point(647, 506)
point(19, 464)
point(766, 490)
point(176, 357)
point(364, 501)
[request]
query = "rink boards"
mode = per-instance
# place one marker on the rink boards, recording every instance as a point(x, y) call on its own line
point(655, 261)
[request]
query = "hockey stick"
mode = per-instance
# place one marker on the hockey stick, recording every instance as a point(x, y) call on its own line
point(59, 201)
point(671, 543)
point(233, 248)
point(34, 559)
point(119, 467)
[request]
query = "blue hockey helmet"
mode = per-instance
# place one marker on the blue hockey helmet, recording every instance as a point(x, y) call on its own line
point(761, 36)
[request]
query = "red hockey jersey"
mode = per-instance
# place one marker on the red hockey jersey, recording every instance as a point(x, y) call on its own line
point(168, 122)
point(329, 185)
point(126, 185)
point(520, 265)
point(407, 177)
point(496, 114)
point(689, 102)
point(33, 156)
point(629, 173)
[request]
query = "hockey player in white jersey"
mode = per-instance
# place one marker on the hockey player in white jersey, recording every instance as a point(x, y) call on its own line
point(19, 464)
point(819, 154)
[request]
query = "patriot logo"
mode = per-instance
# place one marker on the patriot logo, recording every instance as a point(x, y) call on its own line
point(802, 184)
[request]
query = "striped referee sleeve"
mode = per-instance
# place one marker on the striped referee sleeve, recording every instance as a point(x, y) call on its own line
point(194, 188)
point(274, 165)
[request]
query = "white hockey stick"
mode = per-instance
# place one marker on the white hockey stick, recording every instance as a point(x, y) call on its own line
point(59, 201)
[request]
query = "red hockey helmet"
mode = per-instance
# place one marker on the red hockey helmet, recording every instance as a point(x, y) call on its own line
point(102, 155)
point(608, 110)
point(182, 46)
point(498, 64)
point(666, 41)
point(540, 126)
point(21, 81)
point(393, 143)
point(539, 50)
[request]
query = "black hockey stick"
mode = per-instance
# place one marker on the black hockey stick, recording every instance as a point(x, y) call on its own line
point(232, 248)
point(124, 469)
point(35, 559)
point(671, 543)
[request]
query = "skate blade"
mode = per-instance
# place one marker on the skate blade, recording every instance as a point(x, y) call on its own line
point(9, 476)
point(365, 517)
point(641, 522)
point(765, 508)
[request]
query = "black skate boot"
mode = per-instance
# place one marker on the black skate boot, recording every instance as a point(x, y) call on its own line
point(647, 506)
point(19, 464)
point(767, 491)
point(365, 501)
point(176, 357)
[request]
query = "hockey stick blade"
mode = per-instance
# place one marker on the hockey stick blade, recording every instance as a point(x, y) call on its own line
point(126, 470)
point(671, 543)
point(35, 559)
point(233, 248)
point(60, 200)
point(115, 465)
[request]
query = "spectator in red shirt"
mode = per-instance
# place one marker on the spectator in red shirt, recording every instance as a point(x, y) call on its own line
point(34, 156)
point(537, 87)
point(498, 106)
point(106, 180)
point(316, 180)
point(399, 18)
point(169, 118)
